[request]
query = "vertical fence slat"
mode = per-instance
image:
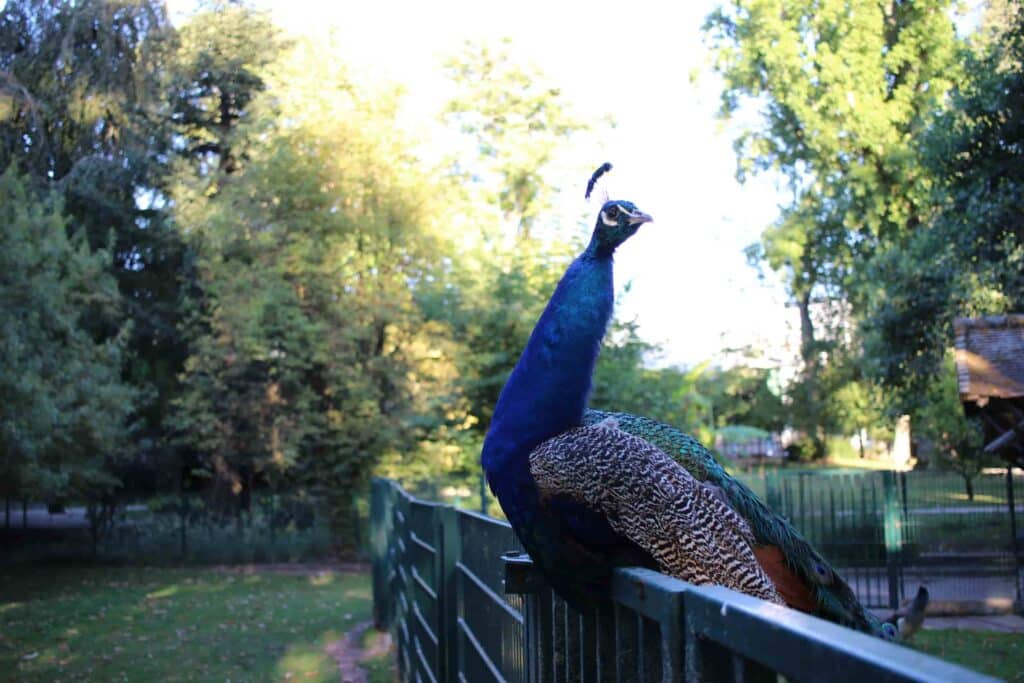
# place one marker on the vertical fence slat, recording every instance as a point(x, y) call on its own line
point(450, 595)
point(893, 537)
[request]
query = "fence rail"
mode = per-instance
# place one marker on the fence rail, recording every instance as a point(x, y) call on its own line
point(465, 605)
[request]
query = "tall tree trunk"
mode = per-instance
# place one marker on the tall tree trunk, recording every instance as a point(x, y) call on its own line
point(809, 355)
point(806, 328)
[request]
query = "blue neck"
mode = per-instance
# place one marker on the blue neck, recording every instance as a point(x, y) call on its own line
point(547, 391)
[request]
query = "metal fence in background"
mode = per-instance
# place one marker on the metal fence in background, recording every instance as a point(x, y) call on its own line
point(460, 613)
point(280, 527)
point(889, 532)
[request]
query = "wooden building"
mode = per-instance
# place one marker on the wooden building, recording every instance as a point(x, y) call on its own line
point(990, 371)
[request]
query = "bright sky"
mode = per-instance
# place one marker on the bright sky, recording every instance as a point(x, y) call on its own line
point(692, 290)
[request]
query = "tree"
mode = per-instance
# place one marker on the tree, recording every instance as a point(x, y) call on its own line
point(845, 90)
point(623, 383)
point(969, 260)
point(82, 86)
point(955, 439)
point(310, 358)
point(64, 407)
point(491, 299)
point(220, 67)
point(518, 123)
point(741, 395)
point(494, 292)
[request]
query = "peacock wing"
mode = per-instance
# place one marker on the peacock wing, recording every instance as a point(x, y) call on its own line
point(650, 499)
point(801, 575)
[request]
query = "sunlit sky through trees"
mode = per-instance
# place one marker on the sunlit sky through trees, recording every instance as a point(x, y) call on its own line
point(646, 67)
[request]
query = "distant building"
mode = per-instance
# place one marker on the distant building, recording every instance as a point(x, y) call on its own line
point(990, 373)
point(737, 441)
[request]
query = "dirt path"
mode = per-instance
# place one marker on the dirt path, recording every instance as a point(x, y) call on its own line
point(348, 653)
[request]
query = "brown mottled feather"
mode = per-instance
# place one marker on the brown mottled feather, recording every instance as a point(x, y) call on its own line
point(791, 587)
point(654, 502)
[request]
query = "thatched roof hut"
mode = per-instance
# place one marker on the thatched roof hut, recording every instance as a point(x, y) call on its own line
point(990, 371)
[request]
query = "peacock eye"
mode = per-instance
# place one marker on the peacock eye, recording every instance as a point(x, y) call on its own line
point(612, 212)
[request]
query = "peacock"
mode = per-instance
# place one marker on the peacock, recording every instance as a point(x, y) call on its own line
point(587, 491)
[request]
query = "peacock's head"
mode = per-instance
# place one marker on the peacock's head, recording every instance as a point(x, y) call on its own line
point(617, 221)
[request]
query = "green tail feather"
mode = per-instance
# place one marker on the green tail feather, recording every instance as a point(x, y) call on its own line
point(836, 601)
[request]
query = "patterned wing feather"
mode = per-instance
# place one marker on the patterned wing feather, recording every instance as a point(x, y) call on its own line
point(788, 558)
point(654, 502)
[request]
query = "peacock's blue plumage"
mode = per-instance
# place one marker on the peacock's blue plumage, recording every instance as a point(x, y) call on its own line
point(573, 531)
point(545, 396)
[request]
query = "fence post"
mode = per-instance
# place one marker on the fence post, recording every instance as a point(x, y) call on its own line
point(483, 494)
point(1016, 547)
point(771, 491)
point(380, 536)
point(893, 536)
point(448, 592)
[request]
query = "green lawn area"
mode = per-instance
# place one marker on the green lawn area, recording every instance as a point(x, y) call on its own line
point(996, 654)
point(146, 624)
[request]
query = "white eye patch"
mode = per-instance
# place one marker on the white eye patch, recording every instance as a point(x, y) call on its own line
point(611, 223)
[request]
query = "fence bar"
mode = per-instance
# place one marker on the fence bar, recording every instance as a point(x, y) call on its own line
point(799, 646)
point(1016, 544)
point(893, 538)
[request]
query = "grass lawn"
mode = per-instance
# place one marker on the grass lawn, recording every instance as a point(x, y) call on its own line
point(146, 624)
point(996, 654)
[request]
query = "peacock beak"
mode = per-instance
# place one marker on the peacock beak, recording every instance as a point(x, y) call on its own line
point(639, 218)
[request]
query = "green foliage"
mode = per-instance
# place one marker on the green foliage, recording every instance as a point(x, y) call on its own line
point(490, 300)
point(310, 357)
point(495, 291)
point(741, 395)
point(969, 260)
point(900, 144)
point(83, 114)
point(220, 65)
point(845, 89)
point(65, 408)
point(518, 123)
point(954, 439)
point(622, 383)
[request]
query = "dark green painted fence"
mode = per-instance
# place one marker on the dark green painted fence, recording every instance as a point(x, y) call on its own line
point(889, 532)
point(438, 585)
point(463, 605)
